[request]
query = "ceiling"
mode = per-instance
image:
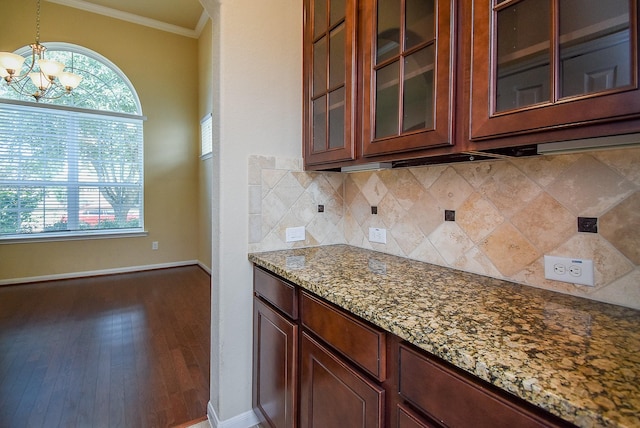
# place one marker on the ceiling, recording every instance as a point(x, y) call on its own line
point(186, 17)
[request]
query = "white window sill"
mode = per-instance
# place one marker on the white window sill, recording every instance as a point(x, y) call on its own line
point(73, 236)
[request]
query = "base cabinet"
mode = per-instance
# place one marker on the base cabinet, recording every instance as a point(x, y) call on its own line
point(332, 394)
point(275, 355)
point(318, 366)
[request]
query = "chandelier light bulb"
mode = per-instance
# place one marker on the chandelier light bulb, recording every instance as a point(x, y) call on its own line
point(69, 80)
point(41, 81)
point(50, 68)
point(11, 63)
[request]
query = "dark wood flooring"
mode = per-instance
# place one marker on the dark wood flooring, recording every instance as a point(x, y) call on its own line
point(128, 350)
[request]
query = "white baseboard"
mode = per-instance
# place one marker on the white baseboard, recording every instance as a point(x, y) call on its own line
point(101, 272)
point(204, 267)
point(243, 420)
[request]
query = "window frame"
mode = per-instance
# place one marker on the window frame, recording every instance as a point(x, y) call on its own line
point(138, 117)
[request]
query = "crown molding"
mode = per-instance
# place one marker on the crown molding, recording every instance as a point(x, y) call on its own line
point(202, 22)
point(130, 17)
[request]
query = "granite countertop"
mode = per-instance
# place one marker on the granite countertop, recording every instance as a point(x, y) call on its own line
point(578, 359)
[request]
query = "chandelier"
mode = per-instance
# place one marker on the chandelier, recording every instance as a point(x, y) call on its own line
point(47, 76)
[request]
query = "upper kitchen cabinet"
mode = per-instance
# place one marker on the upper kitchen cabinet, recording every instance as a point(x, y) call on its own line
point(407, 75)
point(329, 80)
point(377, 79)
point(553, 69)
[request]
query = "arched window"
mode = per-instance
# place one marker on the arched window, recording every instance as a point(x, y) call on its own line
point(72, 166)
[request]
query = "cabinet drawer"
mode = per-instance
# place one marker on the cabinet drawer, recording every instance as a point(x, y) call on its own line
point(364, 345)
point(275, 291)
point(457, 401)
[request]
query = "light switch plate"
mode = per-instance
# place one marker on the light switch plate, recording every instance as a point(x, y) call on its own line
point(294, 234)
point(575, 271)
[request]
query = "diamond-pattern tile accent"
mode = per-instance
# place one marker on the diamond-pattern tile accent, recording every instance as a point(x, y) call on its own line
point(478, 217)
point(508, 188)
point(589, 188)
point(623, 161)
point(450, 189)
point(404, 186)
point(617, 227)
point(509, 250)
point(408, 236)
point(508, 214)
point(450, 241)
point(425, 213)
point(374, 190)
point(545, 223)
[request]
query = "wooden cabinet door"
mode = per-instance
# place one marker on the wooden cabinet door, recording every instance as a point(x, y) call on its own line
point(333, 394)
point(407, 75)
point(553, 69)
point(329, 80)
point(275, 353)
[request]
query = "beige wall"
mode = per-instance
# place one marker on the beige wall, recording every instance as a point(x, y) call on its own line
point(509, 214)
point(169, 101)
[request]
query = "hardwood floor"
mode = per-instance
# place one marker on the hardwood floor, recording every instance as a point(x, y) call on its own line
point(128, 350)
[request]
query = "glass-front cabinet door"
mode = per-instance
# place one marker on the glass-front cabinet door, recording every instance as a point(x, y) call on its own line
point(407, 82)
point(546, 64)
point(329, 80)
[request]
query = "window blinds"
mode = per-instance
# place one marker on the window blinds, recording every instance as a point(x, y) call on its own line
point(66, 171)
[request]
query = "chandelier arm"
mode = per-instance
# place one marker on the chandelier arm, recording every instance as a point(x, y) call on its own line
point(18, 81)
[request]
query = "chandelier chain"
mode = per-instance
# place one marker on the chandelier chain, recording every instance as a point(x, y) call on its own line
point(38, 22)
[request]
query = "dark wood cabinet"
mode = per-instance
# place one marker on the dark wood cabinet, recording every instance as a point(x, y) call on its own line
point(275, 353)
point(551, 71)
point(377, 79)
point(317, 365)
point(397, 81)
point(333, 394)
point(407, 53)
point(329, 81)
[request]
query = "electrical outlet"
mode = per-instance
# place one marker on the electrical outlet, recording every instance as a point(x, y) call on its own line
point(575, 271)
point(154, 245)
point(295, 234)
point(378, 235)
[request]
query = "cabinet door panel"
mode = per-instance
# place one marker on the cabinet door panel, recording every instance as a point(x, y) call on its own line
point(552, 68)
point(275, 344)
point(329, 76)
point(407, 76)
point(332, 394)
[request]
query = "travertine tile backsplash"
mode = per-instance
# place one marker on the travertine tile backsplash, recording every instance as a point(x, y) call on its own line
point(509, 213)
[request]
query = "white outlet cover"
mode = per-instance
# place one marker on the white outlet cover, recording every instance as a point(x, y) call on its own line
point(294, 234)
point(566, 269)
point(378, 235)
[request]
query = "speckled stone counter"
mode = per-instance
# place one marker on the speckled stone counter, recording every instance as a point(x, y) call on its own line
point(576, 358)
